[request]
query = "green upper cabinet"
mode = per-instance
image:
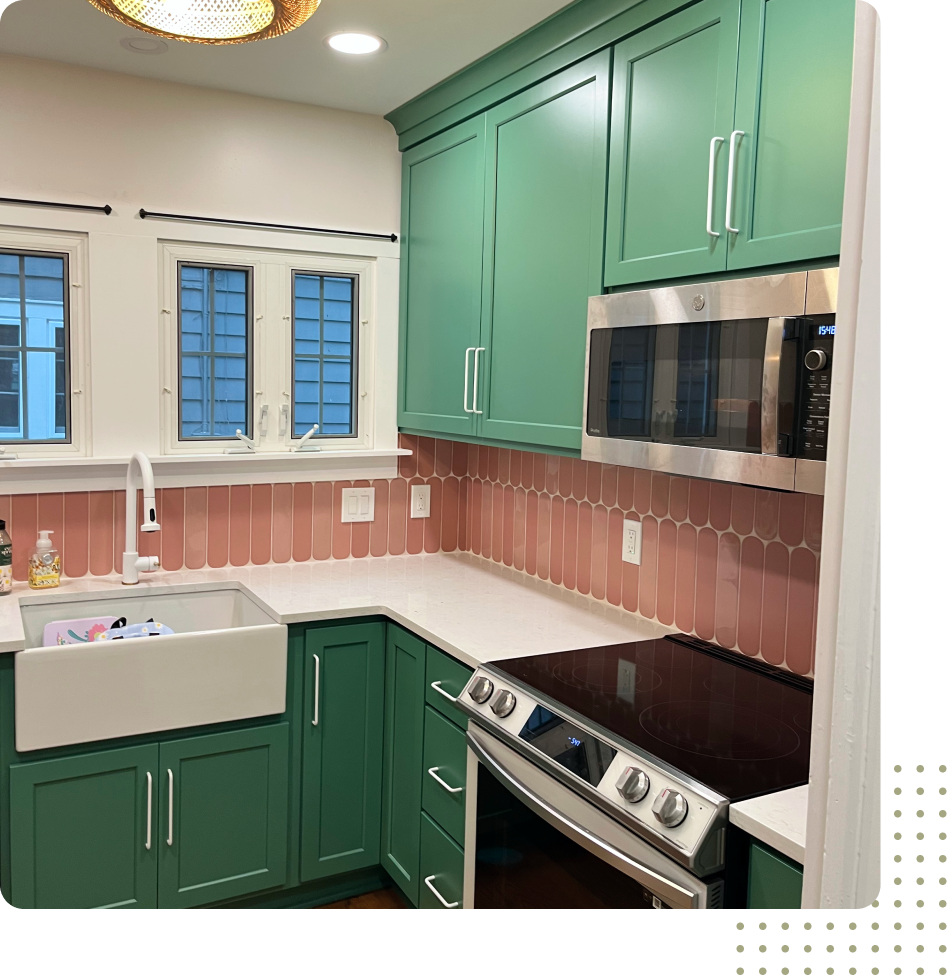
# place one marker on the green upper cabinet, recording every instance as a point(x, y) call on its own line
point(343, 713)
point(792, 104)
point(672, 93)
point(543, 250)
point(84, 835)
point(441, 256)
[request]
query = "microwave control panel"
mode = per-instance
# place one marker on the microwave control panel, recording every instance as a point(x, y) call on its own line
point(806, 386)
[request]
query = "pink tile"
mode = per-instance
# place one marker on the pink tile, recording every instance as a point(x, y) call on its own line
point(706, 587)
point(496, 544)
point(742, 509)
point(685, 582)
point(626, 488)
point(261, 523)
point(240, 524)
point(51, 515)
point(450, 515)
point(792, 518)
point(813, 529)
point(667, 571)
point(519, 528)
point(459, 462)
point(172, 528)
point(613, 562)
point(677, 499)
point(532, 533)
point(801, 611)
point(414, 533)
point(408, 466)
point(473, 459)
point(463, 514)
point(23, 527)
point(379, 527)
point(767, 514)
point(75, 544)
point(218, 525)
point(397, 516)
point(630, 577)
point(426, 448)
point(432, 525)
point(493, 464)
point(6, 506)
point(751, 596)
point(698, 503)
point(566, 470)
point(322, 520)
point(553, 464)
point(593, 486)
point(342, 533)
point(599, 550)
point(361, 531)
point(642, 491)
point(556, 538)
point(580, 479)
point(539, 472)
point(775, 590)
point(195, 527)
point(543, 536)
point(476, 515)
point(648, 576)
point(570, 544)
point(509, 524)
point(118, 527)
point(486, 520)
point(301, 540)
point(282, 522)
point(721, 496)
point(728, 582)
point(516, 468)
point(583, 550)
point(503, 465)
point(526, 474)
point(609, 485)
point(660, 490)
point(443, 457)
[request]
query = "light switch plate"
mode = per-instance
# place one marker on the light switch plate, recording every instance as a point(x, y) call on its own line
point(358, 504)
point(631, 542)
point(420, 500)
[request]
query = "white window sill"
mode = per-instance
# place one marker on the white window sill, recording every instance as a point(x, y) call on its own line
point(40, 475)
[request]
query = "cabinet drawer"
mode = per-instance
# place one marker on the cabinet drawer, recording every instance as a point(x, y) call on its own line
point(445, 755)
point(451, 676)
point(442, 867)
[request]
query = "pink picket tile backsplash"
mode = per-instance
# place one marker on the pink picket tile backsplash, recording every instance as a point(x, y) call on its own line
point(735, 565)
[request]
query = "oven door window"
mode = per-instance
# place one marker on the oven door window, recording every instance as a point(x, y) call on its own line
point(523, 862)
point(695, 384)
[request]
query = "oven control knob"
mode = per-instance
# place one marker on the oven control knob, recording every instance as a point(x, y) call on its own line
point(633, 784)
point(481, 689)
point(816, 360)
point(670, 808)
point(504, 704)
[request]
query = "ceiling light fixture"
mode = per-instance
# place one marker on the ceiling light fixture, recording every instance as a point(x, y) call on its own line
point(211, 21)
point(352, 42)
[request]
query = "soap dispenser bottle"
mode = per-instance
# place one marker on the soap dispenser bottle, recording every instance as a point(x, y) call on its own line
point(44, 564)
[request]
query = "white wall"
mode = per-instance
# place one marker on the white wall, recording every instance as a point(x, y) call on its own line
point(79, 135)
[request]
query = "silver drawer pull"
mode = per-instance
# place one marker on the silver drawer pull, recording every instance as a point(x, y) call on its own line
point(433, 774)
point(148, 820)
point(434, 891)
point(170, 807)
point(440, 690)
point(315, 693)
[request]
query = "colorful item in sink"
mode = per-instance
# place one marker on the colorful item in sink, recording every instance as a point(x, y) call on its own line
point(64, 632)
point(121, 630)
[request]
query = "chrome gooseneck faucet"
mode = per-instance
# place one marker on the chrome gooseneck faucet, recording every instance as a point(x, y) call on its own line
point(132, 563)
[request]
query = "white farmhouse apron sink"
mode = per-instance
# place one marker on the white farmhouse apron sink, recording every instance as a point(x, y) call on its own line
point(225, 661)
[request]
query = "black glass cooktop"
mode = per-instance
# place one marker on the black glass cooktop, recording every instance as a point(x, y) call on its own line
point(740, 727)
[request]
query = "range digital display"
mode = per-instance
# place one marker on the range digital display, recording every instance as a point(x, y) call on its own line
point(567, 744)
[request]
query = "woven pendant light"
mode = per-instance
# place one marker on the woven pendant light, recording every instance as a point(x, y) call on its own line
point(211, 21)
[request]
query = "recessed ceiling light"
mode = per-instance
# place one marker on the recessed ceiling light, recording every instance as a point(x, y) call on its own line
point(352, 42)
point(144, 45)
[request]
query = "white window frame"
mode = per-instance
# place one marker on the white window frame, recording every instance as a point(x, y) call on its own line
point(76, 249)
point(272, 360)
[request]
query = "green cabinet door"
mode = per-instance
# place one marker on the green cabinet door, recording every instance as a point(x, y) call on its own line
point(223, 815)
point(343, 718)
point(441, 256)
point(543, 251)
point(404, 742)
point(80, 830)
point(775, 881)
point(673, 92)
point(792, 104)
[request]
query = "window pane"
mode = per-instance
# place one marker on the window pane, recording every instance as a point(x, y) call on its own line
point(214, 322)
point(324, 349)
point(34, 362)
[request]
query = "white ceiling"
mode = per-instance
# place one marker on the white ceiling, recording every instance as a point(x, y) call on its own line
point(427, 41)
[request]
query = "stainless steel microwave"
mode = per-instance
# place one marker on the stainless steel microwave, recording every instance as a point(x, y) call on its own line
point(727, 380)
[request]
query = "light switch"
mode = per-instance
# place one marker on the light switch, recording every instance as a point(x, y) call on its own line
point(420, 500)
point(631, 542)
point(358, 504)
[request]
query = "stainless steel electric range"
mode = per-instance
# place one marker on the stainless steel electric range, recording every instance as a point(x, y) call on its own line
point(603, 777)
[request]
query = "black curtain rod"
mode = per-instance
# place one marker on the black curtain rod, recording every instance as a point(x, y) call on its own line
point(144, 214)
point(56, 206)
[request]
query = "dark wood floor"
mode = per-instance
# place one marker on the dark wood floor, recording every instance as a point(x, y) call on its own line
point(386, 899)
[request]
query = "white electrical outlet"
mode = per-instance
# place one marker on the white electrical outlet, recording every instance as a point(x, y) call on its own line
point(631, 542)
point(420, 500)
point(358, 504)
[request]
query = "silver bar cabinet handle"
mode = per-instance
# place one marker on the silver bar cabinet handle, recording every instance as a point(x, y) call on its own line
point(315, 703)
point(434, 891)
point(148, 818)
point(433, 774)
point(710, 184)
point(440, 690)
point(734, 135)
point(467, 378)
point(477, 351)
point(170, 807)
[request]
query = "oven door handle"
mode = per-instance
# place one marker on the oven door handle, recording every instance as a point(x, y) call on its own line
point(669, 892)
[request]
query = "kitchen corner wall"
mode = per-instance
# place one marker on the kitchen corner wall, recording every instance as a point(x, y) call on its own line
point(735, 565)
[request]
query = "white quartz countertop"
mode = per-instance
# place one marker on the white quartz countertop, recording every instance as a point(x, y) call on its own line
point(474, 610)
point(779, 820)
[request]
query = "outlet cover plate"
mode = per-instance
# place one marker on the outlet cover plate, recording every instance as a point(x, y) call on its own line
point(420, 500)
point(631, 542)
point(358, 504)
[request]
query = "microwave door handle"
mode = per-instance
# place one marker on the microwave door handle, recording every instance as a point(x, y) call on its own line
point(769, 405)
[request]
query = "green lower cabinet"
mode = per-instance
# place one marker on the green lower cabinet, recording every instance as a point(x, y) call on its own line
point(223, 803)
point(342, 749)
point(442, 868)
point(80, 830)
point(444, 789)
point(775, 881)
